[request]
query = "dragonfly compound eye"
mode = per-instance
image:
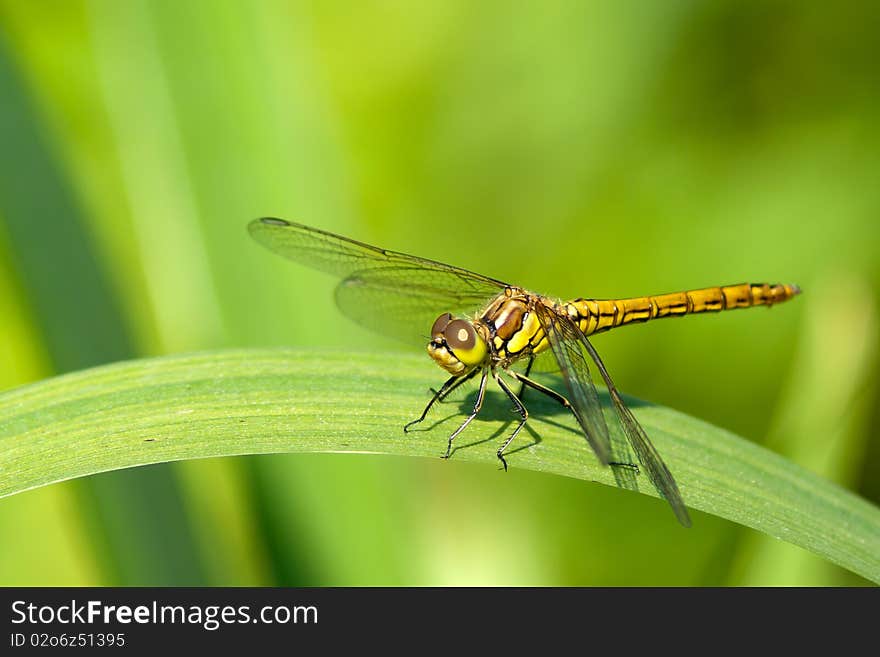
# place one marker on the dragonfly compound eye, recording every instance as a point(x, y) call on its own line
point(440, 324)
point(464, 341)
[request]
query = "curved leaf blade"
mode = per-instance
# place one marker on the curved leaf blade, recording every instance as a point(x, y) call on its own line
point(265, 401)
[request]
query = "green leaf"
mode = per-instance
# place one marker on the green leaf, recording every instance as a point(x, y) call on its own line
point(262, 401)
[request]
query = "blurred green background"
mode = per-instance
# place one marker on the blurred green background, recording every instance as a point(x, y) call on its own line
point(584, 148)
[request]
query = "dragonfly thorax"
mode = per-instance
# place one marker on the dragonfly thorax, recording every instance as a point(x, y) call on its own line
point(513, 326)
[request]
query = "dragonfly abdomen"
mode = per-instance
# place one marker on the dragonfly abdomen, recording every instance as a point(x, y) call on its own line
point(597, 315)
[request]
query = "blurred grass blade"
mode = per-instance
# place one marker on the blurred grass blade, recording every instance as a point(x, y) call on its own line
point(139, 518)
point(262, 401)
point(823, 416)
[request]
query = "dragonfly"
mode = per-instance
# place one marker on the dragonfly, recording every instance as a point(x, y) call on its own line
point(483, 327)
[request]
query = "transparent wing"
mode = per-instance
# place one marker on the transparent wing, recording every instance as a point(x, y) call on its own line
point(394, 294)
point(647, 454)
point(564, 338)
point(403, 302)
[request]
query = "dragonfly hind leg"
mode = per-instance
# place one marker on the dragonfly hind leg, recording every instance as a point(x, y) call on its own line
point(526, 381)
point(523, 414)
point(522, 385)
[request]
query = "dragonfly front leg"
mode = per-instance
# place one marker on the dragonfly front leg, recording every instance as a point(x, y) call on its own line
point(443, 394)
point(478, 404)
point(523, 413)
point(445, 389)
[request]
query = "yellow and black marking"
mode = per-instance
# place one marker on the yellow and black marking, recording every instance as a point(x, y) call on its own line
point(597, 315)
point(513, 326)
point(515, 331)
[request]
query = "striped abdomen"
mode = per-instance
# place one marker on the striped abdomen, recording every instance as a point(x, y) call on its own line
point(595, 315)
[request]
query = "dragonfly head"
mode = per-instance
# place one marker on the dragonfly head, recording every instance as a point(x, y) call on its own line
point(456, 344)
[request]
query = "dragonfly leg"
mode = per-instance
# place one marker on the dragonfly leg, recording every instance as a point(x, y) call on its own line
point(523, 413)
point(478, 404)
point(450, 384)
point(443, 394)
point(525, 381)
point(522, 385)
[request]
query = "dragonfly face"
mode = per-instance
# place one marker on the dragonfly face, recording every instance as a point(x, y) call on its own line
point(457, 345)
point(398, 294)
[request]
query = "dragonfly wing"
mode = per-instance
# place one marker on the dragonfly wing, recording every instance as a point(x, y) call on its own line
point(647, 454)
point(403, 301)
point(564, 338)
point(393, 293)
